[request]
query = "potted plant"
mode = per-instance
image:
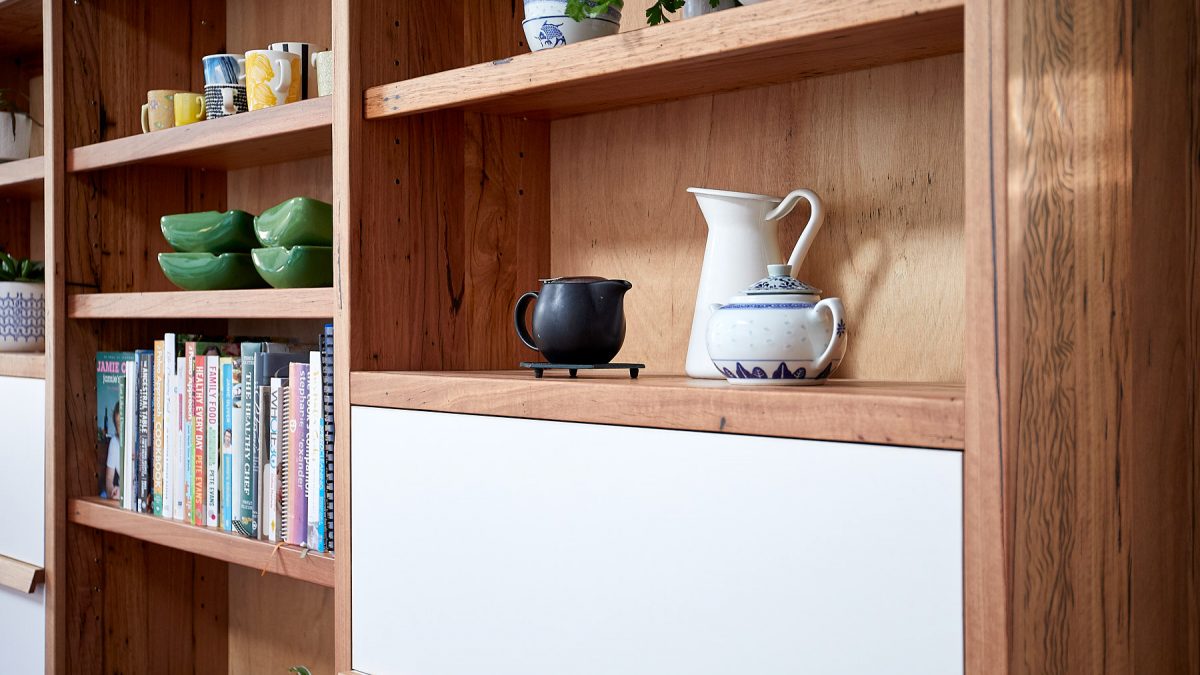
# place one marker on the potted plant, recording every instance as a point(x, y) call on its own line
point(15, 128)
point(22, 305)
point(657, 13)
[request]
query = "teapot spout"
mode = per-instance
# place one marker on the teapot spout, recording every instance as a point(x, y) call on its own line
point(610, 288)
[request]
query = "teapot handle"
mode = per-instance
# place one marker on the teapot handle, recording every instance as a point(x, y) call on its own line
point(519, 319)
point(810, 230)
point(837, 343)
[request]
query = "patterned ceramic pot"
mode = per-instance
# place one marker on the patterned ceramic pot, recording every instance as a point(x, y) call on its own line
point(22, 316)
point(15, 130)
point(779, 331)
point(547, 25)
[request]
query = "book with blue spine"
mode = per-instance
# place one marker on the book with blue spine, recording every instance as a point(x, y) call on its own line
point(225, 493)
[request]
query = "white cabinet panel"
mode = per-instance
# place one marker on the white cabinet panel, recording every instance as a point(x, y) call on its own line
point(23, 456)
point(501, 546)
point(23, 631)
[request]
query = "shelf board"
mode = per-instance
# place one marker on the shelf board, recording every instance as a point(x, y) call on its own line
point(32, 365)
point(20, 576)
point(767, 43)
point(217, 544)
point(269, 303)
point(24, 177)
point(20, 27)
point(279, 134)
point(888, 413)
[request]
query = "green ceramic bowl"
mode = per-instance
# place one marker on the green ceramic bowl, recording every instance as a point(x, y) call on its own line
point(299, 221)
point(209, 272)
point(210, 232)
point(296, 267)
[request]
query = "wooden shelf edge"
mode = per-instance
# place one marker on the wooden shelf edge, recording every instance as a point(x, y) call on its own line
point(282, 133)
point(20, 576)
point(23, 177)
point(28, 365)
point(95, 513)
point(769, 43)
point(884, 413)
point(271, 303)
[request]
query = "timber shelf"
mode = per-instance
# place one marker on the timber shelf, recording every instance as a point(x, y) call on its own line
point(96, 513)
point(23, 365)
point(269, 136)
point(268, 303)
point(22, 178)
point(20, 26)
point(769, 43)
point(889, 413)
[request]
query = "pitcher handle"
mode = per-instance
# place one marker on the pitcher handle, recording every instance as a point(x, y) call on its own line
point(810, 230)
point(837, 343)
point(519, 319)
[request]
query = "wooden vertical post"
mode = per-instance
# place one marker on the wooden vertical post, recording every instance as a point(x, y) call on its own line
point(1081, 457)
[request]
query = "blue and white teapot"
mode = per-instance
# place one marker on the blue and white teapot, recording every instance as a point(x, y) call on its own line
point(779, 331)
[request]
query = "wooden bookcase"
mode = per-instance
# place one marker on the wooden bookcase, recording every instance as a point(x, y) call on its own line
point(1012, 226)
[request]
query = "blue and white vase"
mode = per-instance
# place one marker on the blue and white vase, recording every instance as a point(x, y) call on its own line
point(22, 316)
point(779, 331)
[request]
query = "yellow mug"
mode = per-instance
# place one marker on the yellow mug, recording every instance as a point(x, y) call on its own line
point(189, 108)
point(272, 78)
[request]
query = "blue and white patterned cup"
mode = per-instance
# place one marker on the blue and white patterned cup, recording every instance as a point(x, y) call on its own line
point(22, 316)
point(225, 69)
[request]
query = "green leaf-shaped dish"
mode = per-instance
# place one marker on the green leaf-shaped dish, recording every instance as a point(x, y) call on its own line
point(209, 272)
point(300, 221)
point(210, 232)
point(296, 267)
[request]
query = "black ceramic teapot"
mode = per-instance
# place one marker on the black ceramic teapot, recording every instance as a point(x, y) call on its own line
point(577, 320)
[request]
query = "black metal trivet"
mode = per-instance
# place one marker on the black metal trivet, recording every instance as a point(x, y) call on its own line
point(574, 368)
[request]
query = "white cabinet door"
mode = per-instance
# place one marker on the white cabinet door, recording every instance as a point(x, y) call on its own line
point(520, 547)
point(23, 631)
point(23, 458)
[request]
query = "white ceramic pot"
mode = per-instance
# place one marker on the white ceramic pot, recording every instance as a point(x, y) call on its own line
point(694, 8)
point(779, 331)
point(547, 25)
point(22, 316)
point(14, 145)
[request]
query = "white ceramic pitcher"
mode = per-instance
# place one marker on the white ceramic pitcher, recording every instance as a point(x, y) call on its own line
point(742, 240)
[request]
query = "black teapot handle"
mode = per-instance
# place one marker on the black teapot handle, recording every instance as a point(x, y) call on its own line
point(519, 319)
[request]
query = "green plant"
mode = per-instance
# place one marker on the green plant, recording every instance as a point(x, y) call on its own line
point(580, 9)
point(12, 269)
point(299, 670)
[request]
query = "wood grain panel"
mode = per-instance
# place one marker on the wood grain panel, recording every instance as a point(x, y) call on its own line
point(883, 147)
point(20, 26)
point(276, 623)
point(242, 304)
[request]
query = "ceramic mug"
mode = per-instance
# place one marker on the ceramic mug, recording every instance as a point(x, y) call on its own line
point(322, 62)
point(272, 78)
point(304, 51)
point(223, 100)
point(189, 108)
point(158, 112)
point(224, 69)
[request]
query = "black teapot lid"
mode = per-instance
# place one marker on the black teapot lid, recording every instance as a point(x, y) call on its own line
point(573, 280)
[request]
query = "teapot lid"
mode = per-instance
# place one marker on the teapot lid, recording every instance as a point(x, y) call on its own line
point(572, 280)
point(780, 281)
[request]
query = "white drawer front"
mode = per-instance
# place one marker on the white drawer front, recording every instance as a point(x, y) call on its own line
point(23, 630)
point(500, 546)
point(23, 456)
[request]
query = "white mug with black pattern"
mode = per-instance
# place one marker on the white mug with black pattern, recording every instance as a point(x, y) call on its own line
point(304, 49)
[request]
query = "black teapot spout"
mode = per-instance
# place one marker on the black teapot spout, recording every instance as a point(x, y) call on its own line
point(577, 320)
